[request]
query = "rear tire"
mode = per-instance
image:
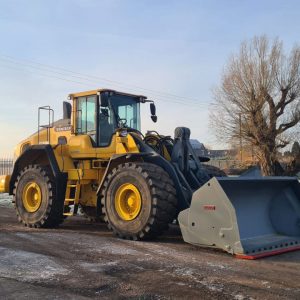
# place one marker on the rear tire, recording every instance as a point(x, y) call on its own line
point(35, 198)
point(157, 200)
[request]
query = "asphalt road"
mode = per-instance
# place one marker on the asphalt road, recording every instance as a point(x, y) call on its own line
point(81, 260)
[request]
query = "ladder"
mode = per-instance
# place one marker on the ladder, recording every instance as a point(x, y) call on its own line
point(72, 198)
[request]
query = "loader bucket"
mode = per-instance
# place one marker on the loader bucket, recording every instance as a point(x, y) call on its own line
point(247, 217)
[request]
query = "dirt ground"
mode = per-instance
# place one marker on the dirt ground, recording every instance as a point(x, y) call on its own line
point(81, 260)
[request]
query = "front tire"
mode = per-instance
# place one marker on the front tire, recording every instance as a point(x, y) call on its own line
point(35, 198)
point(138, 201)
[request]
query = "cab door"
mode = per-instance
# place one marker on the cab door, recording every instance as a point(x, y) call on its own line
point(83, 144)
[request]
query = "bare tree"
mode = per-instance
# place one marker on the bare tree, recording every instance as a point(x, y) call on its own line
point(259, 98)
point(296, 149)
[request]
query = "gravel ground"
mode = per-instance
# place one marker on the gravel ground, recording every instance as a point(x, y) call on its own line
point(81, 260)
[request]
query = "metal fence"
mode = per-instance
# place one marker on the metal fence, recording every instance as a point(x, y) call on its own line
point(6, 166)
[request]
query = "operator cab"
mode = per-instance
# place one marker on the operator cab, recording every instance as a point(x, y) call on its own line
point(100, 113)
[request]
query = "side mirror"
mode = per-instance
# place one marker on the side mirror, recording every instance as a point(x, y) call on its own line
point(153, 112)
point(153, 109)
point(67, 110)
point(154, 119)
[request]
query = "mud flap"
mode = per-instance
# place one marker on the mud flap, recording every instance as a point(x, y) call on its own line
point(247, 217)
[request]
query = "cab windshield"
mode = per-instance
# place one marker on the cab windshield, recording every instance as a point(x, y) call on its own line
point(115, 111)
point(126, 110)
point(119, 111)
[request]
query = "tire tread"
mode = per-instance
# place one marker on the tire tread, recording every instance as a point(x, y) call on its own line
point(164, 201)
point(53, 215)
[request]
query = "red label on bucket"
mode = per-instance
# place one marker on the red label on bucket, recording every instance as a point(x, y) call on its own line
point(209, 207)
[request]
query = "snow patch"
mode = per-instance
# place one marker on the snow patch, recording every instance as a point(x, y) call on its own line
point(28, 266)
point(6, 200)
point(112, 248)
point(211, 286)
point(192, 274)
point(239, 297)
point(219, 266)
point(266, 284)
point(185, 272)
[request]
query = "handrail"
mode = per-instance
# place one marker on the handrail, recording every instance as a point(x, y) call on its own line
point(50, 121)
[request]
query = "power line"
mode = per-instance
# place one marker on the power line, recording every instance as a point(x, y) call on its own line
point(80, 82)
point(46, 75)
point(103, 79)
point(41, 69)
point(18, 67)
point(49, 68)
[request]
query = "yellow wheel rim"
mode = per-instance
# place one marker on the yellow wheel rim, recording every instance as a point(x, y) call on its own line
point(128, 202)
point(32, 197)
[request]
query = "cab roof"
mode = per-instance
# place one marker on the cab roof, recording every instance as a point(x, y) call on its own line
point(94, 92)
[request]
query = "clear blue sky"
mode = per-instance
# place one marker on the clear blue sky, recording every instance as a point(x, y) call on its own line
point(177, 47)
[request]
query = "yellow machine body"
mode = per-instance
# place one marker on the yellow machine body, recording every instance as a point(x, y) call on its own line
point(96, 158)
point(4, 183)
point(91, 162)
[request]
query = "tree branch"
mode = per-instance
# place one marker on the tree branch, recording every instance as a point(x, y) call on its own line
point(285, 126)
point(280, 108)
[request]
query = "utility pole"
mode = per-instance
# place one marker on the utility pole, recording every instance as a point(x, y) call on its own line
point(241, 141)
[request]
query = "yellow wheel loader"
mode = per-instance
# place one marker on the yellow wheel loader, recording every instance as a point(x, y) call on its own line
point(97, 159)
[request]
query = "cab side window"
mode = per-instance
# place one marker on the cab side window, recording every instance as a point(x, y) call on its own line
point(86, 116)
